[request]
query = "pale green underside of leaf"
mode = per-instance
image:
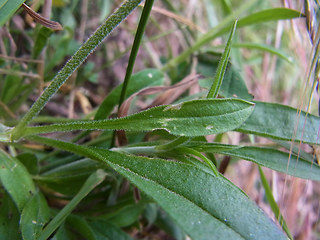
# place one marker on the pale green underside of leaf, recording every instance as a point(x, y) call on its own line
point(205, 206)
point(194, 118)
point(280, 122)
point(8, 8)
point(16, 180)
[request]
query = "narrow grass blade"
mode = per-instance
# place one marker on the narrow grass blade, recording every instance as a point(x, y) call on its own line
point(273, 203)
point(205, 206)
point(203, 117)
point(16, 180)
point(274, 14)
point(77, 59)
point(214, 90)
point(94, 179)
point(279, 122)
point(259, 46)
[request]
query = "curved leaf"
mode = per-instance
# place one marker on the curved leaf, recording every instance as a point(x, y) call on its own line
point(279, 122)
point(205, 206)
point(194, 118)
point(16, 180)
point(273, 14)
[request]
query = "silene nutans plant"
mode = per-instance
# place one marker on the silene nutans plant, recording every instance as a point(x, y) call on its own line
point(159, 120)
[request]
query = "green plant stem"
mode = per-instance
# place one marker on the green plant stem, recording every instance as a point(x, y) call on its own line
point(77, 59)
point(135, 47)
point(133, 54)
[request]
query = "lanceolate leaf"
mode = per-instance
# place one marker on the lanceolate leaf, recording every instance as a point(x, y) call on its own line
point(205, 206)
point(194, 118)
point(16, 180)
point(282, 122)
point(268, 157)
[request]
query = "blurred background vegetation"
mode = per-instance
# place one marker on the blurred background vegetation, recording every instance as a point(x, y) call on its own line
point(31, 55)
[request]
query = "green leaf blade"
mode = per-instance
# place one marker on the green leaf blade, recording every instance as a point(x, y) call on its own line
point(8, 8)
point(34, 216)
point(224, 27)
point(274, 14)
point(74, 63)
point(16, 180)
point(205, 206)
point(93, 180)
point(279, 161)
point(280, 122)
point(214, 90)
point(203, 117)
point(266, 157)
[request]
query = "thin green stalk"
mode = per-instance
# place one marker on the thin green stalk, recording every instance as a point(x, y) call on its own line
point(78, 58)
point(214, 90)
point(201, 156)
point(135, 47)
point(133, 55)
